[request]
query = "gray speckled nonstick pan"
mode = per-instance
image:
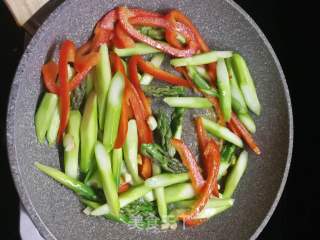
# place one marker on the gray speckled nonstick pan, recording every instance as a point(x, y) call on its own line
point(57, 212)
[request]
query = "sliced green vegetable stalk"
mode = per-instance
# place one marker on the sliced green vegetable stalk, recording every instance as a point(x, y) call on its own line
point(203, 72)
point(44, 115)
point(158, 155)
point(130, 152)
point(113, 111)
point(188, 102)
point(166, 91)
point(69, 182)
point(89, 82)
point(224, 89)
point(88, 132)
point(71, 155)
point(200, 59)
point(138, 49)
point(221, 132)
point(238, 102)
point(178, 192)
point(160, 196)
point(213, 207)
point(225, 161)
point(53, 129)
point(246, 83)
point(109, 187)
point(200, 82)
point(125, 198)
point(196, 78)
point(235, 175)
point(156, 61)
point(93, 179)
point(176, 127)
point(166, 179)
point(117, 160)
point(102, 82)
point(164, 130)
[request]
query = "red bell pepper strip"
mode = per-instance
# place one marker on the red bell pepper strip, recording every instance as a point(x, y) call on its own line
point(108, 20)
point(195, 222)
point(215, 102)
point(101, 36)
point(145, 169)
point(144, 132)
point(190, 162)
point(161, 74)
point(233, 128)
point(177, 16)
point(212, 156)
point(124, 39)
point(213, 153)
point(203, 141)
point(50, 73)
point(125, 14)
point(133, 74)
point(84, 62)
point(244, 134)
point(67, 52)
point(123, 187)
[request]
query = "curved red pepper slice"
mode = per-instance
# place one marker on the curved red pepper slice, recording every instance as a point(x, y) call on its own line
point(124, 40)
point(125, 14)
point(133, 74)
point(190, 162)
point(177, 16)
point(67, 52)
point(212, 152)
point(144, 132)
point(203, 141)
point(215, 102)
point(50, 73)
point(235, 122)
point(195, 222)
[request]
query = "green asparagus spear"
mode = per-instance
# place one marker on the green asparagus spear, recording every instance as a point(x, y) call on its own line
point(71, 156)
point(200, 59)
point(235, 175)
point(69, 182)
point(138, 49)
point(221, 132)
point(158, 155)
point(160, 196)
point(102, 82)
point(88, 132)
point(113, 111)
point(117, 164)
point(130, 152)
point(109, 187)
point(44, 115)
point(224, 89)
point(188, 102)
point(166, 91)
point(52, 132)
point(246, 83)
point(166, 179)
point(178, 192)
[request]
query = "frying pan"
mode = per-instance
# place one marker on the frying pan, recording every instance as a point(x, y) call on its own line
point(56, 212)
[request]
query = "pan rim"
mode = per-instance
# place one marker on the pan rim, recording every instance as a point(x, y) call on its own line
point(11, 148)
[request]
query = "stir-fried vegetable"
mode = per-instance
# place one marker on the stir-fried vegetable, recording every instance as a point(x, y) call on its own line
point(44, 115)
point(88, 132)
point(71, 155)
point(167, 91)
point(158, 155)
point(135, 167)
